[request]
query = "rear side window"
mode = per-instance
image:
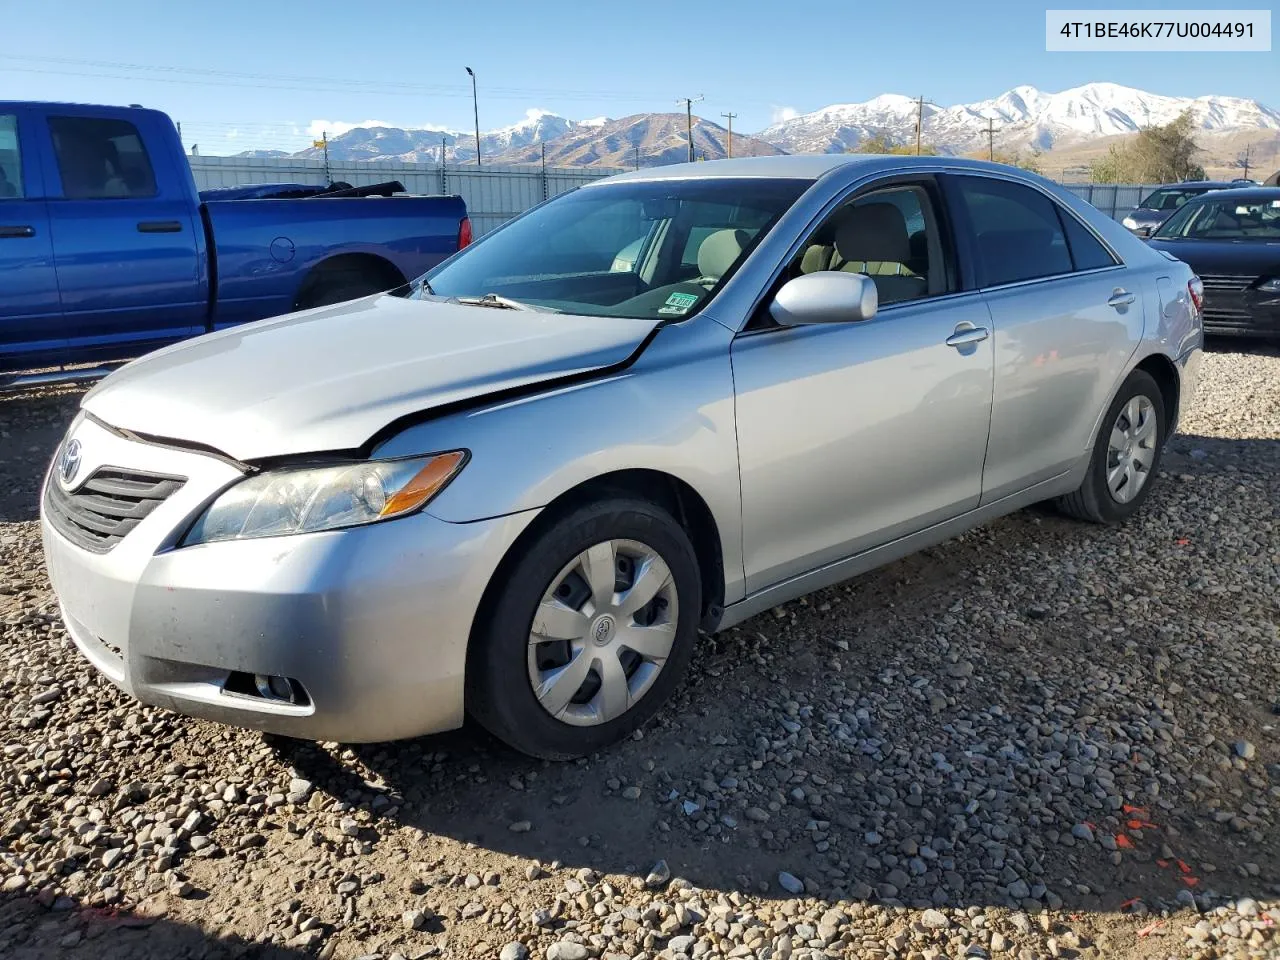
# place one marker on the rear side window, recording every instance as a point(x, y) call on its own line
point(101, 159)
point(1017, 232)
point(10, 158)
point(1086, 252)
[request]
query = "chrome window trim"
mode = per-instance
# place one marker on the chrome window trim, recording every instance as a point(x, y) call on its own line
point(1051, 277)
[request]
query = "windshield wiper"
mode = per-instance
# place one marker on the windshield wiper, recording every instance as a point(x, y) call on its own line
point(497, 301)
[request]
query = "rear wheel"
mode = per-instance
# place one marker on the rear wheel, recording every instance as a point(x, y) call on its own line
point(589, 632)
point(1125, 457)
point(341, 286)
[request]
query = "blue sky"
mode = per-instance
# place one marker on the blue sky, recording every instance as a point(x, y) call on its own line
point(240, 74)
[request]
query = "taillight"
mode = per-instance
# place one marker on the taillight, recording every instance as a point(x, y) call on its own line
point(1196, 288)
point(464, 232)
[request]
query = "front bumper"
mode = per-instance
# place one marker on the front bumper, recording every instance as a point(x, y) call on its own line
point(372, 622)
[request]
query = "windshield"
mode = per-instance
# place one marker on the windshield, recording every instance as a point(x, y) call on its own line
point(648, 250)
point(1224, 220)
point(1169, 199)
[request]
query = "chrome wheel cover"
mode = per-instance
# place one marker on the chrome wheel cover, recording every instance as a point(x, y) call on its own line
point(602, 632)
point(1131, 449)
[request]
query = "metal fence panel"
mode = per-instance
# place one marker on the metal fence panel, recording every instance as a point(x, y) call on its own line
point(1114, 199)
point(493, 194)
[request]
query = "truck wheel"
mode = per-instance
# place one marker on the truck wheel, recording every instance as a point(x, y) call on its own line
point(339, 287)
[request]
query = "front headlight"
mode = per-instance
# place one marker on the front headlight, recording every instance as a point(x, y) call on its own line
point(1270, 286)
point(306, 499)
point(1131, 223)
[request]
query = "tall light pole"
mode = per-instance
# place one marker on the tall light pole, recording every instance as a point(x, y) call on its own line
point(475, 104)
point(688, 109)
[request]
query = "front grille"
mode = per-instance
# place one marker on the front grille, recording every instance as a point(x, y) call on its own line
point(1224, 299)
point(102, 511)
point(1225, 282)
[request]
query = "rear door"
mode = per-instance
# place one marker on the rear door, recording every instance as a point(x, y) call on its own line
point(1067, 315)
point(30, 332)
point(124, 233)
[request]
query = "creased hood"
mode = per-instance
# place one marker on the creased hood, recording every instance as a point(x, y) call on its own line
point(330, 378)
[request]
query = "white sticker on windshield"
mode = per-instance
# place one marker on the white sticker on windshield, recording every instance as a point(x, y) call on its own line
point(679, 303)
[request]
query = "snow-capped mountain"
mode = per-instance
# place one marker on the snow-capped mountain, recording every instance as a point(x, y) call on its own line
point(645, 139)
point(424, 144)
point(1024, 116)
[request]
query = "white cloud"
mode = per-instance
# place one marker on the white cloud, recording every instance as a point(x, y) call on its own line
point(335, 128)
point(779, 114)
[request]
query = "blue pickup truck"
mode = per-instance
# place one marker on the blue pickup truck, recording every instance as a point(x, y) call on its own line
point(107, 250)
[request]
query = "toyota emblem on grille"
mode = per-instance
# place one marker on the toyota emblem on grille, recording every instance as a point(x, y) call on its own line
point(70, 461)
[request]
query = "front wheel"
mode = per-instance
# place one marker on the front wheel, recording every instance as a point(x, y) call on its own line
point(1125, 457)
point(589, 631)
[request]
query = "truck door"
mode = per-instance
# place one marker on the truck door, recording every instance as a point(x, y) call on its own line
point(30, 329)
point(125, 236)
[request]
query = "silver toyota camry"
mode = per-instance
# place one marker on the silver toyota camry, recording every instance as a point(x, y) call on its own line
point(524, 485)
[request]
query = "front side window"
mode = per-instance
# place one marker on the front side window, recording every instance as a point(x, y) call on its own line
point(1225, 219)
point(653, 250)
point(1016, 231)
point(101, 159)
point(891, 235)
point(10, 158)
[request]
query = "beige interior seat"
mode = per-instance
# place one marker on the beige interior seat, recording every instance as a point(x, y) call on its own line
point(719, 251)
point(872, 239)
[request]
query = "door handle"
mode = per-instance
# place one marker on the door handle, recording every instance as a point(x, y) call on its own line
point(15, 232)
point(964, 336)
point(160, 226)
point(1121, 298)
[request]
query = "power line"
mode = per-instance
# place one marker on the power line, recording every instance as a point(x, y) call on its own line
point(210, 77)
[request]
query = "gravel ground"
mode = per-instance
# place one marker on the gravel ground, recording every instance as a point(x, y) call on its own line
point(1040, 739)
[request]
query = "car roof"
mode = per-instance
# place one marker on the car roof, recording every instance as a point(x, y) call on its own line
point(1240, 193)
point(1206, 184)
point(803, 166)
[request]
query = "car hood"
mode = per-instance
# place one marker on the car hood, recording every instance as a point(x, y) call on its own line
point(330, 378)
point(1241, 258)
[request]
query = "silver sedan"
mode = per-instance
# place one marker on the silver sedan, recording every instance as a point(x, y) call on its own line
point(524, 485)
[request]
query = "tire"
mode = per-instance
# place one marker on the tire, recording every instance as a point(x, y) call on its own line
point(504, 663)
point(1095, 500)
point(339, 288)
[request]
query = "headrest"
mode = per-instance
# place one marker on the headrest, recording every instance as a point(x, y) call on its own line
point(719, 250)
point(876, 232)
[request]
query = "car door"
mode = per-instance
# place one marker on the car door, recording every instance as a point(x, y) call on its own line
point(854, 434)
point(124, 235)
point(30, 331)
point(1066, 316)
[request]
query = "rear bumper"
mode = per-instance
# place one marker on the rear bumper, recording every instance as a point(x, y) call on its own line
point(371, 622)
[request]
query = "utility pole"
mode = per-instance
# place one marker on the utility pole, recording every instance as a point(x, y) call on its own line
point(545, 191)
point(729, 117)
point(688, 109)
point(179, 131)
point(991, 133)
point(919, 121)
point(475, 105)
point(324, 138)
point(637, 156)
point(1244, 163)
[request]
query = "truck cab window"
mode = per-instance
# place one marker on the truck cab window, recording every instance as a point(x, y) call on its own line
point(10, 159)
point(101, 159)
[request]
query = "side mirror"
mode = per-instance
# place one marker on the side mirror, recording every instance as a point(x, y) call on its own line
point(828, 296)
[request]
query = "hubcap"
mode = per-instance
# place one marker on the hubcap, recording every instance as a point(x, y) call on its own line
point(1131, 449)
point(602, 632)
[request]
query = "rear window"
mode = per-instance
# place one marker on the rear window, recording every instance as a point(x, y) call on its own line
point(10, 158)
point(101, 159)
point(1018, 234)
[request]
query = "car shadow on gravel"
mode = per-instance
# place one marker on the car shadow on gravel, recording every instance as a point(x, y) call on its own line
point(31, 426)
point(74, 931)
point(890, 740)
